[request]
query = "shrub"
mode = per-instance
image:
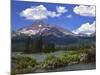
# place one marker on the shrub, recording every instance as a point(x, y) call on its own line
point(69, 57)
point(63, 59)
point(24, 62)
point(91, 55)
point(52, 62)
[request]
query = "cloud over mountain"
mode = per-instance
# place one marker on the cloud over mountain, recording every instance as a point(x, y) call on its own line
point(84, 10)
point(86, 28)
point(38, 13)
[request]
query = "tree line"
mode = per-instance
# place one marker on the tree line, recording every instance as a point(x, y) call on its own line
point(38, 45)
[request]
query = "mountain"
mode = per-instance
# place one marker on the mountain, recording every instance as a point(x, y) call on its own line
point(50, 33)
point(44, 29)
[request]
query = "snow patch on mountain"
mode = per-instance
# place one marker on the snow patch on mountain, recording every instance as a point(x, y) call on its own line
point(41, 28)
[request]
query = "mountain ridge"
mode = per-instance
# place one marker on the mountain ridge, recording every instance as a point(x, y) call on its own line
point(42, 28)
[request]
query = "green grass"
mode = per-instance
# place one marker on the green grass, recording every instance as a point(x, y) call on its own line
point(71, 56)
point(24, 62)
point(52, 62)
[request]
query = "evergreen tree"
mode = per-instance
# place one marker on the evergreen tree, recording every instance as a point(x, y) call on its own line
point(49, 47)
point(38, 44)
point(28, 45)
point(52, 47)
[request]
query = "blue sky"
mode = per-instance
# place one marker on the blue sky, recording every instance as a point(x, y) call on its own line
point(69, 16)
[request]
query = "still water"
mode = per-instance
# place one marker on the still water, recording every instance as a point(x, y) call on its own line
point(38, 56)
point(74, 67)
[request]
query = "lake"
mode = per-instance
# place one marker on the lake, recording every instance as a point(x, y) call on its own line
point(38, 56)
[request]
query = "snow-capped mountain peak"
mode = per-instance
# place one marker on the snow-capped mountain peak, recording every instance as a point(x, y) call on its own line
point(41, 28)
point(40, 25)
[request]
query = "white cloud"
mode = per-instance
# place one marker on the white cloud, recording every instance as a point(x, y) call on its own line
point(61, 9)
point(85, 10)
point(69, 16)
point(86, 28)
point(38, 13)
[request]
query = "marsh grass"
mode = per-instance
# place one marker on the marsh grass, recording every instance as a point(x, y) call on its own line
point(25, 64)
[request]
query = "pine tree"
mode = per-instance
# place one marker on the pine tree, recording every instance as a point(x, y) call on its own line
point(28, 46)
point(53, 47)
point(38, 44)
point(49, 47)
